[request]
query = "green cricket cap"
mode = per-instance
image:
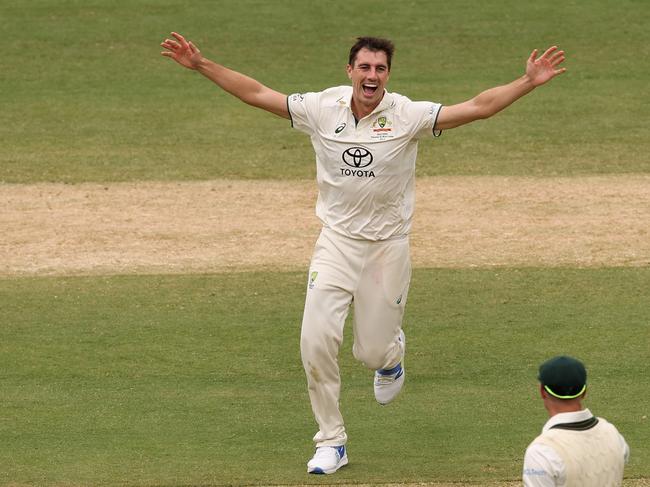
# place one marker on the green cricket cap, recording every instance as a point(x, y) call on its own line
point(563, 377)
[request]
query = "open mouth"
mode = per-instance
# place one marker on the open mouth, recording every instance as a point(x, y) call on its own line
point(369, 89)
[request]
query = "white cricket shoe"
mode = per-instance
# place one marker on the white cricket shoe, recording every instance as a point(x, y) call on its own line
point(327, 459)
point(389, 382)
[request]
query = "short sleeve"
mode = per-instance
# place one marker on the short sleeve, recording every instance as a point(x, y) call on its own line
point(626, 448)
point(303, 110)
point(422, 116)
point(542, 466)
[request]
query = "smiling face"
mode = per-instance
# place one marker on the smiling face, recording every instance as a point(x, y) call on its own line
point(369, 75)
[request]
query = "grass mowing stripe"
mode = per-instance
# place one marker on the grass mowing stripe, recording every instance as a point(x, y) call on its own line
point(112, 109)
point(177, 380)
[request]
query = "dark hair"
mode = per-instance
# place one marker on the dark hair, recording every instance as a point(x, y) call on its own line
point(372, 44)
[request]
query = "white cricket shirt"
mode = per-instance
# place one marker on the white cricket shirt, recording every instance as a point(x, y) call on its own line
point(544, 466)
point(365, 171)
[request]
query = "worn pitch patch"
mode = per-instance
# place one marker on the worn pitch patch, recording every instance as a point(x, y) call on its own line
point(215, 226)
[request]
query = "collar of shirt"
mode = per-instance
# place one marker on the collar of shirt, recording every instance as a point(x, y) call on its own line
point(563, 418)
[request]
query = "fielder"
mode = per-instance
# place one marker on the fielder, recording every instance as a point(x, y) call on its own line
point(366, 140)
point(575, 448)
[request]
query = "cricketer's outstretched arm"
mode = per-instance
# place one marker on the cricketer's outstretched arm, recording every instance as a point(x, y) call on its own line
point(245, 88)
point(484, 105)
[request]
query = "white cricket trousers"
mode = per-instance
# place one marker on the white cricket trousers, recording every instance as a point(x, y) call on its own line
point(376, 276)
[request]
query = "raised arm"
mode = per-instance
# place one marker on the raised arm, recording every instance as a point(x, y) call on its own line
point(484, 105)
point(243, 87)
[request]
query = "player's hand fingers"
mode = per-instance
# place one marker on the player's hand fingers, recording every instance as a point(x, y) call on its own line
point(193, 48)
point(557, 58)
point(548, 52)
point(180, 39)
point(169, 44)
point(532, 56)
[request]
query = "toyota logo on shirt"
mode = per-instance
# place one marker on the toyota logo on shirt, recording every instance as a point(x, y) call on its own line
point(357, 157)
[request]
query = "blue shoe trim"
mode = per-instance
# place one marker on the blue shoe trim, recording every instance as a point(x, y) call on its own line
point(397, 368)
point(340, 450)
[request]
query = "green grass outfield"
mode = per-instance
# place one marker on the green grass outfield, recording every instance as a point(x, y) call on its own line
point(86, 96)
point(196, 380)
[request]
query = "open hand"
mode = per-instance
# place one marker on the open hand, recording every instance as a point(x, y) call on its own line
point(542, 69)
point(183, 52)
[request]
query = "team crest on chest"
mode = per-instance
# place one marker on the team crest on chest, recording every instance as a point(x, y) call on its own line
point(382, 128)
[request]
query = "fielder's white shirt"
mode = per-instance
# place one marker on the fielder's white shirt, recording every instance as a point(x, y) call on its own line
point(543, 467)
point(365, 171)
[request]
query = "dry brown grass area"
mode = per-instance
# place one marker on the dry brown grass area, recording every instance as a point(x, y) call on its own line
point(58, 229)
